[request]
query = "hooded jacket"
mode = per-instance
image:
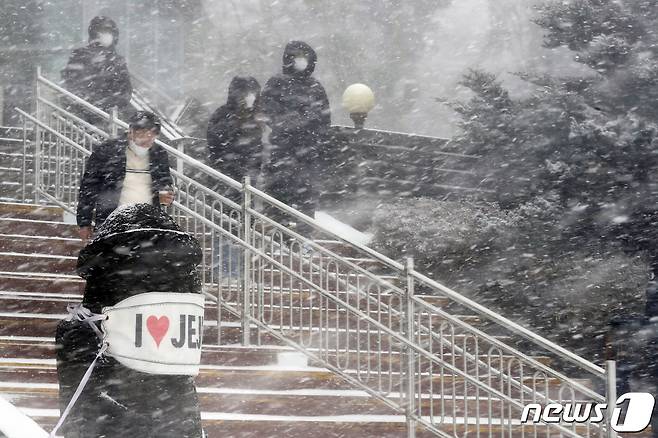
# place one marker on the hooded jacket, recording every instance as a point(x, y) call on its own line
point(99, 74)
point(100, 188)
point(138, 249)
point(297, 107)
point(234, 135)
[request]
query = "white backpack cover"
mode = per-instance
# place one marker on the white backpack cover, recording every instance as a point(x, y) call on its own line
point(156, 332)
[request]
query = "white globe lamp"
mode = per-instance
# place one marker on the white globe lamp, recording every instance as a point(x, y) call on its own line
point(358, 100)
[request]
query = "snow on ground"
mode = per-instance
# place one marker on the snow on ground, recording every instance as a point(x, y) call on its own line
point(229, 416)
point(342, 229)
point(14, 424)
point(292, 359)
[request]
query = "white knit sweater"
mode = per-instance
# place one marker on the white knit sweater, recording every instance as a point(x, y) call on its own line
point(137, 184)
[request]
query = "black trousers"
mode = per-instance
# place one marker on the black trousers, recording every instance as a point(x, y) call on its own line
point(300, 194)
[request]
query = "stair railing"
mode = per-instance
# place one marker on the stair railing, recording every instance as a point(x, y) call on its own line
point(363, 322)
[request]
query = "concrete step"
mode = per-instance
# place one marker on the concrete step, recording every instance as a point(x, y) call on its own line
point(30, 211)
point(246, 402)
point(41, 284)
point(12, 191)
point(219, 424)
point(39, 263)
point(45, 228)
point(297, 401)
point(318, 407)
point(17, 243)
point(239, 372)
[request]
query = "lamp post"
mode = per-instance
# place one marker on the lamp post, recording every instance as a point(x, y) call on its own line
point(358, 100)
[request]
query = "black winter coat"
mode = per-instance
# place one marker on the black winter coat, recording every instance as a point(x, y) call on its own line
point(298, 109)
point(234, 135)
point(138, 249)
point(105, 171)
point(100, 76)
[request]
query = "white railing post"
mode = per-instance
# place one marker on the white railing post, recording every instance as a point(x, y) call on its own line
point(37, 136)
point(24, 168)
point(610, 395)
point(114, 116)
point(410, 353)
point(180, 163)
point(246, 261)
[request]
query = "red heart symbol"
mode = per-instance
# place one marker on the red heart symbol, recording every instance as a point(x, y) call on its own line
point(157, 327)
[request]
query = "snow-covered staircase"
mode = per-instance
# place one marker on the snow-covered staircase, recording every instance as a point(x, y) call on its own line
point(244, 391)
point(260, 391)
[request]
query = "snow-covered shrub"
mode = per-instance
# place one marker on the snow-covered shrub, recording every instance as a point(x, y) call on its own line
point(521, 263)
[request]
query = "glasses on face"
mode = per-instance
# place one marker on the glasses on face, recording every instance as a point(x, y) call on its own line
point(153, 132)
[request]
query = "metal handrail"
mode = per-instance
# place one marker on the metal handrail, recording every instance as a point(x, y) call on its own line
point(504, 347)
point(415, 305)
point(173, 151)
point(516, 328)
point(365, 318)
point(423, 305)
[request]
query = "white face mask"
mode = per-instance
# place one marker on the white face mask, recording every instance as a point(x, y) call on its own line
point(138, 150)
point(105, 39)
point(301, 64)
point(249, 100)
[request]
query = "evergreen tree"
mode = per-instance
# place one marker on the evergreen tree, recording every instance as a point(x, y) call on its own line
point(576, 177)
point(590, 140)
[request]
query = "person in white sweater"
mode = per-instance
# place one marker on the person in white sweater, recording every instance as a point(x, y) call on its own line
point(128, 170)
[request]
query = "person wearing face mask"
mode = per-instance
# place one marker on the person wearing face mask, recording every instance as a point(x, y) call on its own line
point(128, 170)
point(235, 131)
point(297, 109)
point(235, 145)
point(97, 73)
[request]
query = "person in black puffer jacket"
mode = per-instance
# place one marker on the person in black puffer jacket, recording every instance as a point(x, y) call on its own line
point(234, 132)
point(297, 107)
point(138, 249)
point(236, 148)
point(98, 74)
